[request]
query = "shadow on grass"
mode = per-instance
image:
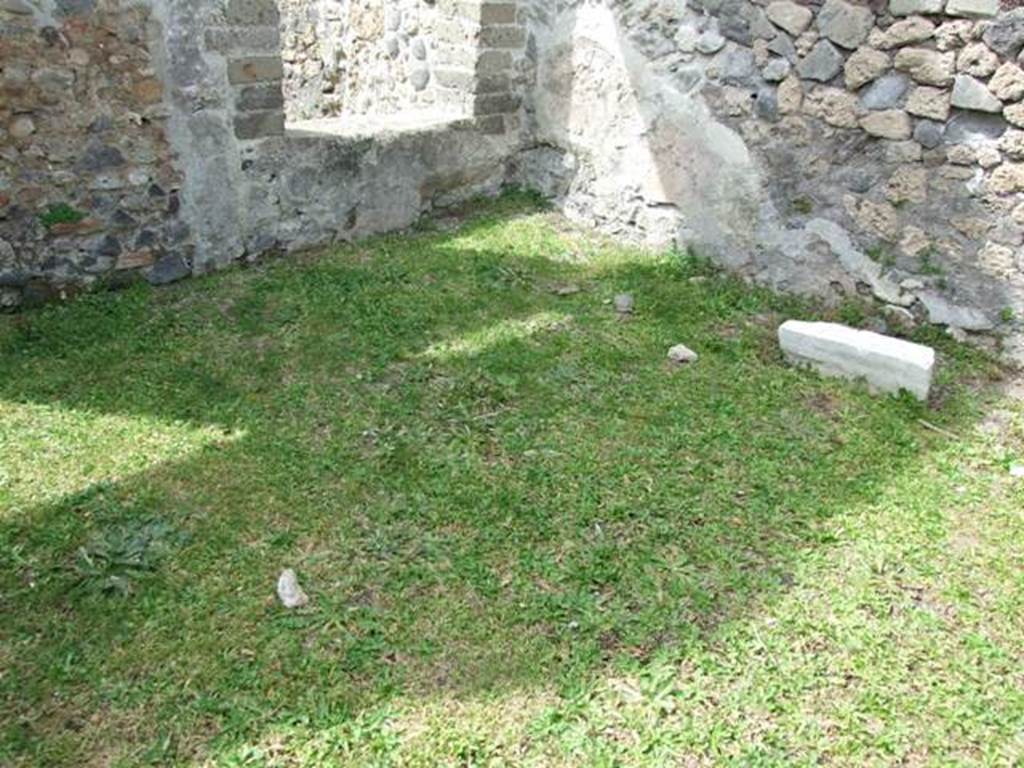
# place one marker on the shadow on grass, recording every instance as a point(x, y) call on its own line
point(486, 486)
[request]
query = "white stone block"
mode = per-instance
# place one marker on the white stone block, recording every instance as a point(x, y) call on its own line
point(977, 9)
point(887, 364)
point(914, 7)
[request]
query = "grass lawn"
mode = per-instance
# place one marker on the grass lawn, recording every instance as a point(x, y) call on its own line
point(527, 539)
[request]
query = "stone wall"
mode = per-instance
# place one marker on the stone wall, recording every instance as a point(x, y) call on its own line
point(148, 140)
point(368, 57)
point(88, 189)
point(835, 149)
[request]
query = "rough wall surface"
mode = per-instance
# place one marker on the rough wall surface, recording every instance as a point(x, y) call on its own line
point(835, 149)
point(148, 141)
point(366, 57)
point(87, 186)
point(831, 149)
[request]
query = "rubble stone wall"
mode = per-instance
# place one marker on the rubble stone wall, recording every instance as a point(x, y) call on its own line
point(834, 149)
point(88, 187)
point(369, 57)
point(147, 139)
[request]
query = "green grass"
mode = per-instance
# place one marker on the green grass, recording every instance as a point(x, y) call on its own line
point(62, 213)
point(527, 539)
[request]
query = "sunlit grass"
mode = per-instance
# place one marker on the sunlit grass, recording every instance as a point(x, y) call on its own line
point(502, 332)
point(51, 451)
point(527, 538)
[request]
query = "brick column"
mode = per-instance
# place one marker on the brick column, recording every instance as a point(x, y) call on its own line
point(480, 43)
point(251, 41)
point(502, 39)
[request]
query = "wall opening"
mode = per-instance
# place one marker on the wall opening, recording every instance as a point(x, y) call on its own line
point(360, 65)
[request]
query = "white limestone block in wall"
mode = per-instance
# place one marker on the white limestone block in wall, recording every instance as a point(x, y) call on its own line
point(887, 364)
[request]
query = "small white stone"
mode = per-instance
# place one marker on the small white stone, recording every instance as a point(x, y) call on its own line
point(22, 127)
point(958, 335)
point(624, 303)
point(682, 354)
point(1017, 471)
point(289, 591)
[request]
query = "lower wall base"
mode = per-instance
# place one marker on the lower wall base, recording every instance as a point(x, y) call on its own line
point(307, 189)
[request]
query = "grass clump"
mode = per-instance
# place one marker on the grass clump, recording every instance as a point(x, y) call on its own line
point(61, 213)
point(527, 538)
point(927, 264)
point(802, 205)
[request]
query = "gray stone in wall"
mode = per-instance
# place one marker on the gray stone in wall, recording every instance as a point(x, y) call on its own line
point(243, 40)
point(887, 92)
point(419, 78)
point(776, 70)
point(252, 13)
point(845, 24)
point(969, 93)
point(1005, 34)
point(738, 66)
point(928, 133)
point(822, 64)
point(710, 42)
point(977, 9)
point(496, 104)
point(503, 37)
point(168, 269)
point(782, 46)
point(942, 311)
point(734, 27)
point(760, 27)
point(973, 127)
point(260, 96)
point(914, 7)
point(792, 17)
point(739, 21)
point(259, 124)
point(766, 104)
